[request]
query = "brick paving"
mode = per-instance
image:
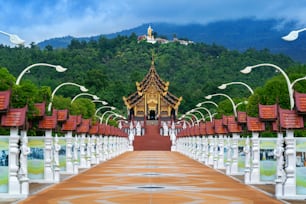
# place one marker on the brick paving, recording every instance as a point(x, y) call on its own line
point(160, 177)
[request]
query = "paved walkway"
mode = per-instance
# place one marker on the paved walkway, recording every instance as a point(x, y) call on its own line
point(157, 177)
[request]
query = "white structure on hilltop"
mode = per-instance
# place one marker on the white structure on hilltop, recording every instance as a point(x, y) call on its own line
point(151, 39)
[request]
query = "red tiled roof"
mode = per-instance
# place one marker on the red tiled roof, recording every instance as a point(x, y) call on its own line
point(241, 117)
point(15, 117)
point(94, 129)
point(4, 100)
point(84, 127)
point(62, 115)
point(289, 119)
point(300, 102)
point(209, 128)
point(219, 127)
point(255, 125)
point(48, 122)
point(267, 112)
point(234, 127)
point(70, 124)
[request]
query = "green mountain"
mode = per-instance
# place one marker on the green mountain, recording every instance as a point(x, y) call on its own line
point(109, 68)
point(238, 35)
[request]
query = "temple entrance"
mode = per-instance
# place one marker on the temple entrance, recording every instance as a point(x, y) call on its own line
point(152, 115)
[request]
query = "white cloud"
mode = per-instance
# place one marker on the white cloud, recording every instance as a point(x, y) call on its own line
point(39, 20)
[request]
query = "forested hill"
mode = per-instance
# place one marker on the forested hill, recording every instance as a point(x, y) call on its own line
point(238, 35)
point(109, 68)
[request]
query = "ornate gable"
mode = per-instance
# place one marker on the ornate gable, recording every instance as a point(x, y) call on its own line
point(152, 95)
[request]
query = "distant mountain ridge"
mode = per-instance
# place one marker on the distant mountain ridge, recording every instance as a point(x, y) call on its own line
point(238, 35)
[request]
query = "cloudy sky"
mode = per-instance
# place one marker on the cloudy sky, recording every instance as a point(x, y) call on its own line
point(38, 20)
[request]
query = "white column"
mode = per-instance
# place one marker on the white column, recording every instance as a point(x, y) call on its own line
point(221, 152)
point(228, 155)
point(82, 151)
point(93, 150)
point(23, 170)
point(14, 185)
point(48, 173)
point(56, 164)
point(88, 152)
point(76, 147)
point(211, 145)
point(234, 166)
point(69, 164)
point(290, 152)
point(280, 173)
point(247, 178)
point(216, 152)
point(255, 173)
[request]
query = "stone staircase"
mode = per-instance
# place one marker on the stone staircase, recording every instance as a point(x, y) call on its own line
point(152, 140)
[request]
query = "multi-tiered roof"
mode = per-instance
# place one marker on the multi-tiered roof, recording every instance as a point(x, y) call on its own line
point(152, 79)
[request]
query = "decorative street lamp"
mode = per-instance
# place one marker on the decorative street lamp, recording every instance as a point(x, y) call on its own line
point(14, 38)
point(223, 86)
point(193, 115)
point(203, 108)
point(116, 116)
point(57, 67)
point(228, 97)
point(293, 35)
point(85, 94)
point(100, 108)
point(248, 69)
point(99, 101)
point(187, 117)
point(204, 102)
point(197, 111)
point(241, 103)
point(101, 118)
point(82, 88)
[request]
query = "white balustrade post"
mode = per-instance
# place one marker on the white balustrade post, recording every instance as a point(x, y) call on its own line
point(280, 173)
point(290, 152)
point(56, 164)
point(247, 178)
point(211, 145)
point(82, 151)
point(228, 155)
point(14, 185)
point(234, 165)
point(221, 152)
point(48, 173)
point(69, 164)
point(255, 173)
point(76, 147)
point(88, 152)
point(93, 149)
point(23, 170)
point(216, 152)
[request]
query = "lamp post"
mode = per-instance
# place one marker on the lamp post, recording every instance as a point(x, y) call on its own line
point(187, 117)
point(84, 94)
point(241, 103)
point(248, 69)
point(14, 38)
point(99, 101)
point(100, 108)
point(205, 102)
point(209, 113)
point(58, 68)
point(202, 116)
point(197, 120)
point(109, 111)
point(293, 35)
point(82, 88)
point(116, 116)
point(228, 97)
point(223, 86)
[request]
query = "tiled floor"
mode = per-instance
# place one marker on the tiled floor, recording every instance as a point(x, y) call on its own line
point(144, 177)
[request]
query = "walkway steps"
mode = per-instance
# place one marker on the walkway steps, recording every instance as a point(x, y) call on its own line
point(157, 177)
point(152, 140)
